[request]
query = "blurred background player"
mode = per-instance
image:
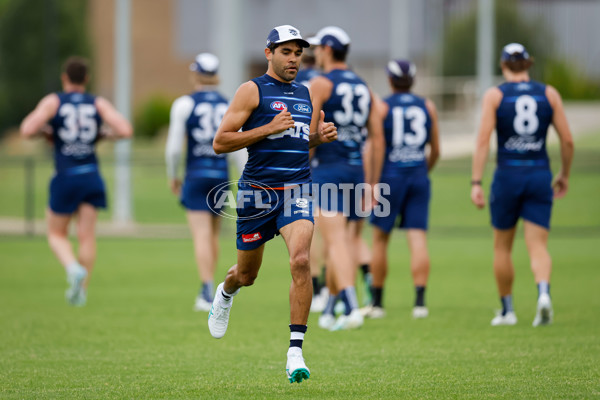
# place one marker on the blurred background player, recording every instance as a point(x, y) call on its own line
point(346, 100)
point(274, 115)
point(195, 119)
point(308, 68)
point(76, 189)
point(410, 126)
point(521, 111)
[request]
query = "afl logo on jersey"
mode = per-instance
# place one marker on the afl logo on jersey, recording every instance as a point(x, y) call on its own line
point(303, 108)
point(278, 105)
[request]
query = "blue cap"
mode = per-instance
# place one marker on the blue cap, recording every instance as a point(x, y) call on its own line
point(331, 36)
point(285, 33)
point(401, 69)
point(514, 52)
point(205, 63)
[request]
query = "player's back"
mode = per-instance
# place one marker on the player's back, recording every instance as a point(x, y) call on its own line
point(407, 129)
point(75, 127)
point(348, 108)
point(282, 158)
point(201, 127)
point(523, 118)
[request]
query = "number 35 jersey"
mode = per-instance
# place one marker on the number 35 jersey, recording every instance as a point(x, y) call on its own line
point(348, 108)
point(522, 121)
point(75, 132)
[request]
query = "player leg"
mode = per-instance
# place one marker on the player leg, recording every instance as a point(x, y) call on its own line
point(241, 274)
point(505, 274)
point(419, 267)
point(297, 236)
point(317, 257)
point(363, 258)
point(58, 225)
point(536, 238)
point(87, 216)
point(202, 227)
point(379, 269)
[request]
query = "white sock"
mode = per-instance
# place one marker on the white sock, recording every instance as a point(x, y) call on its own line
point(73, 266)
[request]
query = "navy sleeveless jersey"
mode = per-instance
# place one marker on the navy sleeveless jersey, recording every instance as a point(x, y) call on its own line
point(522, 124)
point(280, 159)
point(306, 74)
point(407, 128)
point(75, 133)
point(348, 108)
point(201, 127)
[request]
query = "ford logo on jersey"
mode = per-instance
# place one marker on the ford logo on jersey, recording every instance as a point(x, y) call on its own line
point(302, 108)
point(278, 105)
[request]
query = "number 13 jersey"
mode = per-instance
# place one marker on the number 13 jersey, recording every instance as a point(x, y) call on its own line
point(522, 121)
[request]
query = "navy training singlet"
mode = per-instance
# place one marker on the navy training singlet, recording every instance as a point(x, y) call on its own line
point(306, 74)
point(280, 159)
point(75, 133)
point(523, 118)
point(348, 108)
point(407, 129)
point(201, 127)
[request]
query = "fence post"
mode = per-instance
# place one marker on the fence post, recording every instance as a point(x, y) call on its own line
point(30, 196)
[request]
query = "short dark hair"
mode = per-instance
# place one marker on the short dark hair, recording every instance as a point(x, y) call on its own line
point(76, 69)
point(340, 55)
point(518, 65)
point(403, 83)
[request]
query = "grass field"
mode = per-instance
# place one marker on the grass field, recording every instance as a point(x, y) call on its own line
point(138, 337)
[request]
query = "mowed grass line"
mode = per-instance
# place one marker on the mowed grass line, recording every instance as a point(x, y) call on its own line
point(138, 337)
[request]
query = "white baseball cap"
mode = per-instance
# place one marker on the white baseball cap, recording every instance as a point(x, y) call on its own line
point(285, 33)
point(205, 63)
point(332, 36)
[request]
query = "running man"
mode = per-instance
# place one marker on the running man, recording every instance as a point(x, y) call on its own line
point(274, 115)
point(77, 189)
point(521, 111)
point(411, 125)
point(346, 100)
point(196, 117)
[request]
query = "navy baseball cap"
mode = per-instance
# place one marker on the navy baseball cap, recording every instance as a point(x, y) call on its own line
point(331, 36)
point(401, 69)
point(514, 52)
point(285, 33)
point(205, 63)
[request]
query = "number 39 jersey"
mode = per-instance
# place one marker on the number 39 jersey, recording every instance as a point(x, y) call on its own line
point(522, 121)
point(201, 126)
point(407, 129)
point(75, 132)
point(348, 108)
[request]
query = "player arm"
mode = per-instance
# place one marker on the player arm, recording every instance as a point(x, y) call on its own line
point(376, 139)
point(434, 143)
point(567, 148)
point(120, 126)
point(321, 131)
point(43, 112)
point(180, 111)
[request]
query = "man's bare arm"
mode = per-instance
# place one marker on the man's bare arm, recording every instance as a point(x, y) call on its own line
point(559, 120)
point(434, 142)
point(43, 112)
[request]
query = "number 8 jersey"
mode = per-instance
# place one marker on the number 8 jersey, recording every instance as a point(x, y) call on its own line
point(75, 132)
point(522, 121)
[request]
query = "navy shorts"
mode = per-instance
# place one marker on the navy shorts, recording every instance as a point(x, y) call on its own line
point(197, 194)
point(68, 191)
point(521, 192)
point(337, 189)
point(263, 212)
point(408, 202)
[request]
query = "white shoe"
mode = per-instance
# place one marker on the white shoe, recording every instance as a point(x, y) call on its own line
point(295, 368)
point(218, 317)
point(510, 318)
point(318, 303)
point(351, 321)
point(339, 307)
point(419, 312)
point(201, 304)
point(544, 312)
point(326, 321)
point(373, 312)
point(80, 299)
point(75, 278)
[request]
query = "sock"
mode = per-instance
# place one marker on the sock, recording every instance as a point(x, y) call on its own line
point(543, 288)
point(420, 296)
point(316, 286)
point(377, 296)
point(227, 297)
point(365, 269)
point(297, 335)
point(507, 305)
point(73, 266)
point(330, 305)
point(207, 290)
point(348, 296)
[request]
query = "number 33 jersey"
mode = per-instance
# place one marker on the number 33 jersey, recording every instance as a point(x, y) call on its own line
point(522, 121)
point(75, 131)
